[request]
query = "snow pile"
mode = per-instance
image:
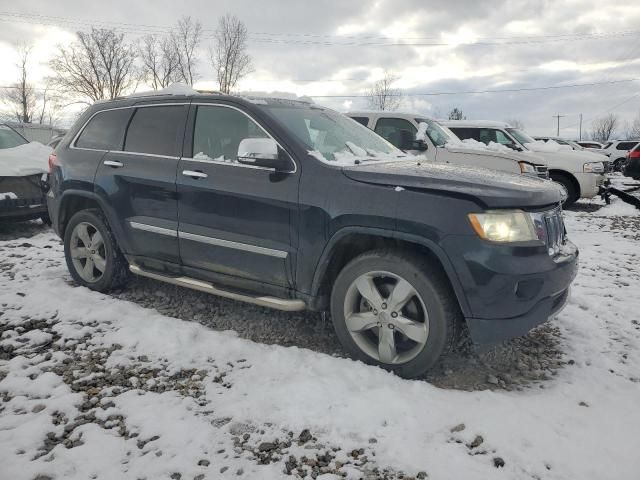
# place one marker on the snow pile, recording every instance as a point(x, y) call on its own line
point(550, 146)
point(29, 159)
point(471, 144)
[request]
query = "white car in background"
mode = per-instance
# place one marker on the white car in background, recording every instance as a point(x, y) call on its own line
point(617, 152)
point(581, 173)
point(576, 146)
point(417, 134)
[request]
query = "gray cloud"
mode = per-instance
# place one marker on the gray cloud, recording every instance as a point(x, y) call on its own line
point(426, 69)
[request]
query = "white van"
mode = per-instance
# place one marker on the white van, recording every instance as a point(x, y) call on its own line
point(581, 173)
point(438, 144)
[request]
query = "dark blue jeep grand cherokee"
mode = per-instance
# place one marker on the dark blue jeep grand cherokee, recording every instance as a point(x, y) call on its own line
point(293, 206)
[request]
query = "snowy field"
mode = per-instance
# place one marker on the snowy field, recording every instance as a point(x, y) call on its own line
point(122, 386)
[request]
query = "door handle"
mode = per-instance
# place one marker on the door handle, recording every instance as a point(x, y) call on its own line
point(194, 174)
point(113, 163)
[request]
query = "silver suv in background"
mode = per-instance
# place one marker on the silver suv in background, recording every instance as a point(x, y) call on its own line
point(417, 134)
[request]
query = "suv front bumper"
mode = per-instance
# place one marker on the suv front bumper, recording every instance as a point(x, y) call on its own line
point(590, 183)
point(510, 289)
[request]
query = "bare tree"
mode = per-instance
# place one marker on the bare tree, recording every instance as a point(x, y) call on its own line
point(21, 95)
point(229, 55)
point(98, 65)
point(604, 127)
point(515, 123)
point(159, 59)
point(382, 96)
point(634, 128)
point(185, 39)
point(456, 114)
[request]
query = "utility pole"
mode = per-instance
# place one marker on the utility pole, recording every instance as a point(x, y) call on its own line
point(558, 116)
point(580, 128)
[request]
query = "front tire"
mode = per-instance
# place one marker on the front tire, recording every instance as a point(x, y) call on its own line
point(92, 255)
point(565, 181)
point(396, 311)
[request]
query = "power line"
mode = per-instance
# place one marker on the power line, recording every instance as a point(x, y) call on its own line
point(503, 90)
point(288, 38)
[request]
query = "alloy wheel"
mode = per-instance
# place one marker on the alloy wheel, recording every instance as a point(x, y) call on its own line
point(88, 252)
point(386, 317)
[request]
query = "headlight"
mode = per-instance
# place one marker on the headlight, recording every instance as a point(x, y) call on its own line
point(527, 168)
point(504, 226)
point(593, 167)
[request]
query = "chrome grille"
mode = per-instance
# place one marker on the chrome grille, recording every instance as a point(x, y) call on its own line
point(555, 230)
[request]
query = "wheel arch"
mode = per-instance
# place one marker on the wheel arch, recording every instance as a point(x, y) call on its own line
point(570, 177)
point(349, 242)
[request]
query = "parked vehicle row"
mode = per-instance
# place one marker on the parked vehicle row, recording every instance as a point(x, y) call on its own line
point(617, 152)
point(631, 167)
point(290, 205)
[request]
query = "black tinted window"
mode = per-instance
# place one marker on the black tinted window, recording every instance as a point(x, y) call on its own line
point(361, 120)
point(389, 129)
point(219, 131)
point(156, 130)
point(105, 131)
point(465, 133)
point(625, 145)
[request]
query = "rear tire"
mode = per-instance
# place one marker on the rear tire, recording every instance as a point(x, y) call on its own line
point(617, 164)
point(412, 320)
point(93, 257)
point(567, 183)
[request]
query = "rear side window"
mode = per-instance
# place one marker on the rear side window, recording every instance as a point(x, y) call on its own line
point(625, 145)
point(156, 130)
point(361, 120)
point(105, 131)
point(465, 133)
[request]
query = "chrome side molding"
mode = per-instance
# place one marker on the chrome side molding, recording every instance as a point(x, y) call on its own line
point(286, 305)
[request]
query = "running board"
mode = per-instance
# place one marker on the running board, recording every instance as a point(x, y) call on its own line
point(271, 302)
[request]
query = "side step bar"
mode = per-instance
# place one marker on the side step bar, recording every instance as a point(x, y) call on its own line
point(271, 302)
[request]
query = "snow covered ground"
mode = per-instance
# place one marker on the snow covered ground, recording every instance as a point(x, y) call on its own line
point(96, 386)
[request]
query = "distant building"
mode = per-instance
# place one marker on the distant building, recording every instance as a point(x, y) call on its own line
point(35, 132)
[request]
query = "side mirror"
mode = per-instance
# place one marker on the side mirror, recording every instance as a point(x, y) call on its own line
point(264, 152)
point(513, 146)
point(408, 141)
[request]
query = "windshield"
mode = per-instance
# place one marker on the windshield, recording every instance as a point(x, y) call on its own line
point(330, 133)
point(520, 136)
point(9, 138)
point(436, 133)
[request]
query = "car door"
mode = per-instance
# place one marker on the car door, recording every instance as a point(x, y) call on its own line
point(139, 182)
point(234, 219)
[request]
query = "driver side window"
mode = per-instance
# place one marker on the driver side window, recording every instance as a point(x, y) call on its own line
point(219, 130)
point(502, 139)
point(389, 129)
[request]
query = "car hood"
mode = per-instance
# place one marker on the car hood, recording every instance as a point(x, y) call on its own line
point(492, 188)
point(524, 156)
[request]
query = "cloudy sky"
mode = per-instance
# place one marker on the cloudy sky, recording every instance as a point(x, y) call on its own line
point(437, 49)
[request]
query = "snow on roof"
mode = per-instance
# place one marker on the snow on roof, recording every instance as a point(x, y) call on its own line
point(474, 123)
point(389, 114)
point(259, 97)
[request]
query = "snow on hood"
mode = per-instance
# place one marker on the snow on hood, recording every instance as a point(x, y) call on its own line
point(547, 147)
point(358, 155)
point(28, 159)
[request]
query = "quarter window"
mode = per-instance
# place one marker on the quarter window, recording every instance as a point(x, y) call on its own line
point(389, 129)
point(105, 131)
point(625, 145)
point(361, 120)
point(156, 130)
point(219, 130)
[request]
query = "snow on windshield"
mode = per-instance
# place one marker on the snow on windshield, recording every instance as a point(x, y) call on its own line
point(28, 159)
point(330, 136)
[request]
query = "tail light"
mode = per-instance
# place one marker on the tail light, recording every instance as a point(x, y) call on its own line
point(634, 154)
point(52, 161)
